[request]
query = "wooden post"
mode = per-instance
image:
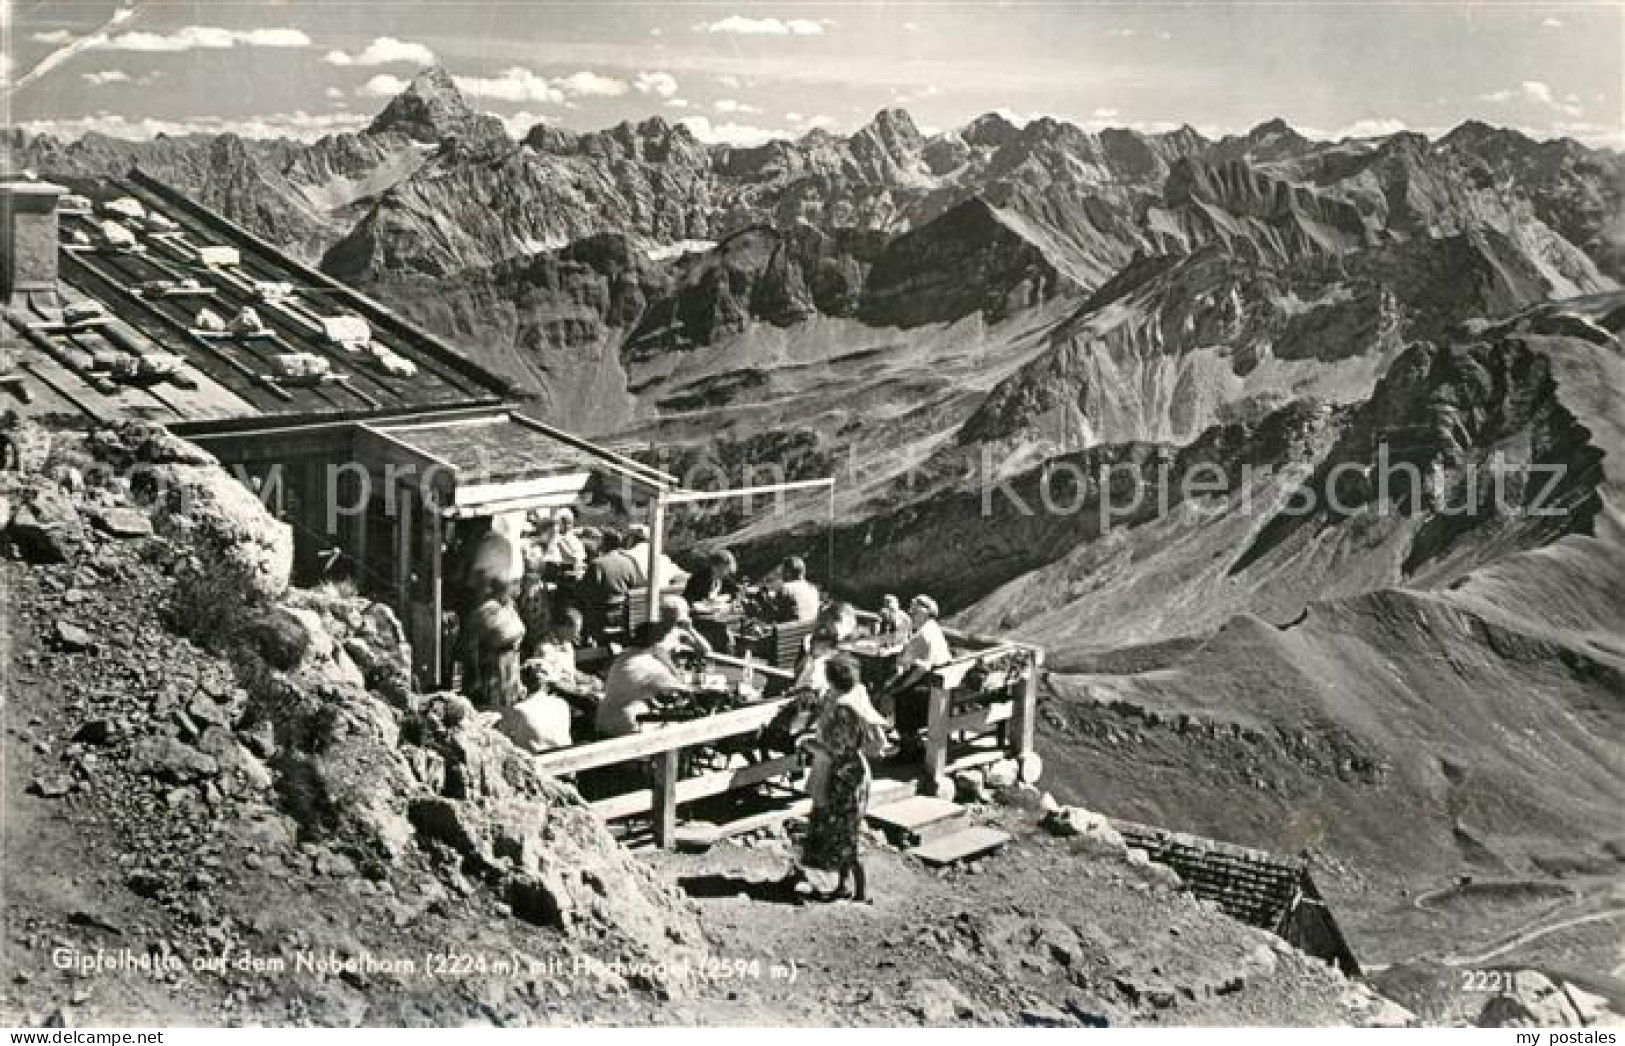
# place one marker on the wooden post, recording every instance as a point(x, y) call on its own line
point(664, 807)
point(403, 555)
point(434, 630)
point(657, 549)
point(1025, 716)
point(936, 741)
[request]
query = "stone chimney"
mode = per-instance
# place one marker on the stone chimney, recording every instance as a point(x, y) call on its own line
point(28, 239)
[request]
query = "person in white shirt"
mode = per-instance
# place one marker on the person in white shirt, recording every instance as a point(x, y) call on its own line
point(565, 553)
point(635, 680)
point(895, 626)
point(798, 598)
point(540, 722)
point(906, 691)
point(823, 644)
point(668, 572)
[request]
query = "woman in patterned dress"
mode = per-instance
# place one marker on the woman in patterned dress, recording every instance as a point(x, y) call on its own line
point(848, 728)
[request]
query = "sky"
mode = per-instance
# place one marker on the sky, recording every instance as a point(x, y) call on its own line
point(745, 72)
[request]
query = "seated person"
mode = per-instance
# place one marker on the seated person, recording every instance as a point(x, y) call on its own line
point(563, 556)
point(555, 655)
point(823, 644)
point(541, 721)
point(797, 598)
point(715, 578)
point(667, 572)
point(840, 617)
point(895, 627)
point(905, 691)
point(676, 625)
point(635, 682)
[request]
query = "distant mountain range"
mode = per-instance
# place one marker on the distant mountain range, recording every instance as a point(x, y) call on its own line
point(920, 315)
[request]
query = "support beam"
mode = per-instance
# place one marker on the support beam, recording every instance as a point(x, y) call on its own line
point(936, 743)
point(665, 798)
point(1026, 711)
point(694, 497)
point(657, 550)
point(404, 496)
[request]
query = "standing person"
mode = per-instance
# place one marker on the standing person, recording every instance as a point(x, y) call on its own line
point(491, 649)
point(906, 692)
point(895, 626)
point(798, 598)
point(848, 730)
point(606, 587)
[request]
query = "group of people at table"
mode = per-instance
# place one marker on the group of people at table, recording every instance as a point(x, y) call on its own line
point(535, 597)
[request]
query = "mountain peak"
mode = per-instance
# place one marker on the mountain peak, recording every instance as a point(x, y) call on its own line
point(894, 125)
point(431, 108)
point(990, 129)
point(1272, 129)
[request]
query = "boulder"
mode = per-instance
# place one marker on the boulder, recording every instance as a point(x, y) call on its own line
point(1533, 1001)
point(144, 443)
point(1003, 774)
point(238, 555)
point(72, 638)
point(122, 522)
point(45, 524)
point(25, 445)
point(1094, 832)
point(170, 761)
point(937, 1002)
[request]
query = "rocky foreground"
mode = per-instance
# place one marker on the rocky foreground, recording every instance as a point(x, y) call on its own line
point(226, 805)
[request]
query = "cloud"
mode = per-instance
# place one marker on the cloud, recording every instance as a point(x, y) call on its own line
point(1552, 23)
point(661, 84)
point(1377, 127)
point(521, 85)
point(95, 38)
point(729, 81)
point(1122, 34)
point(384, 85)
point(677, 103)
point(743, 26)
point(1105, 114)
point(334, 93)
point(728, 105)
point(107, 76)
point(384, 50)
point(592, 85)
point(1532, 92)
point(910, 27)
point(298, 124)
point(732, 133)
point(52, 36)
point(520, 123)
point(203, 37)
point(5, 69)
point(807, 123)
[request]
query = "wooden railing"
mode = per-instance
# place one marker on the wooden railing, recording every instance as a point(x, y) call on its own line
point(1005, 707)
point(664, 745)
point(952, 711)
